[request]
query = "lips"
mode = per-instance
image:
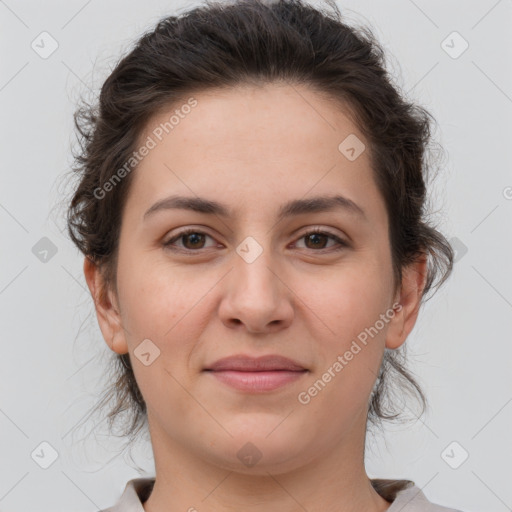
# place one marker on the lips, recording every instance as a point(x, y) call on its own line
point(256, 374)
point(242, 363)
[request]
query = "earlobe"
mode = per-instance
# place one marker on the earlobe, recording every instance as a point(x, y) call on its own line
point(394, 334)
point(413, 283)
point(107, 313)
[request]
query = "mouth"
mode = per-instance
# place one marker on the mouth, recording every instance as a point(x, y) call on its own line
point(248, 374)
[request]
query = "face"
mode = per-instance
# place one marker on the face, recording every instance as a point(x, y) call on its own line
point(249, 281)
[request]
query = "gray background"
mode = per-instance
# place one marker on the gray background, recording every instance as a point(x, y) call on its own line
point(53, 355)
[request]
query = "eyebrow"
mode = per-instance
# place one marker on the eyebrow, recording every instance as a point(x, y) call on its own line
point(295, 207)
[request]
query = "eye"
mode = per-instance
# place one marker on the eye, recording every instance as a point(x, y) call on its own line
point(318, 238)
point(192, 239)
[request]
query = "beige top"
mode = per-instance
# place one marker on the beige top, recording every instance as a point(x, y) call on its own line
point(404, 496)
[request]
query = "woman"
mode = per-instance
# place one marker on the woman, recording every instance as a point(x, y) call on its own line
point(251, 210)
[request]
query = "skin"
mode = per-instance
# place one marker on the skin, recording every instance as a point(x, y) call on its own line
point(253, 149)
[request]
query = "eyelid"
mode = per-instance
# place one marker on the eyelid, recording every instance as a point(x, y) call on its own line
point(341, 243)
point(324, 231)
point(180, 234)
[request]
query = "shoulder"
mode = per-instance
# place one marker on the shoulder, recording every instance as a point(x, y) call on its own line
point(406, 496)
point(413, 499)
point(136, 492)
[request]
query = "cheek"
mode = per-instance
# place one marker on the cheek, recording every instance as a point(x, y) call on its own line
point(352, 348)
point(154, 295)
point(350, 303)
point(348, 299)
point(166, 306)
point(161, 308)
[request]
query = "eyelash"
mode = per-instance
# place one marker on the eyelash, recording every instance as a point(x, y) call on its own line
point(341, 242)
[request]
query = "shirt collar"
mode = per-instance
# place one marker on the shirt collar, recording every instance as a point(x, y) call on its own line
point(136, 492)
point(399, 492)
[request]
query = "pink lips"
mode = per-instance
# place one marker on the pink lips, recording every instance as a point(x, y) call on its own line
point(260, 374)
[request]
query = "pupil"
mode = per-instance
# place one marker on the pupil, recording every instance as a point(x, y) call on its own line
point(315, 235)
point(196, 238)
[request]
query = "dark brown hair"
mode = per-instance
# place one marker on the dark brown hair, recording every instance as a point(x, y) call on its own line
point(222, 45)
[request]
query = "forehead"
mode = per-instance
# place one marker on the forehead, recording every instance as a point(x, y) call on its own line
point(283, 120)
point(252, 145)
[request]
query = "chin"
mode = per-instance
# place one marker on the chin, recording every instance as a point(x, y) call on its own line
point(255, 452)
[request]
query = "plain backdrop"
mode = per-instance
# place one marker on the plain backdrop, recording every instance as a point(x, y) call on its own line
point(53, 358)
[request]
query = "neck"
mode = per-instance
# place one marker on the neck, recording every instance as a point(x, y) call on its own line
point(332, 482)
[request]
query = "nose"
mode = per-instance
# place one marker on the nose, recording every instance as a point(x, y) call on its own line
point(257, 298)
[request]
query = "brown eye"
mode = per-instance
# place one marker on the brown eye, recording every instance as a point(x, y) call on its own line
point(191, 240)
point(318, 240)
point(196, 240)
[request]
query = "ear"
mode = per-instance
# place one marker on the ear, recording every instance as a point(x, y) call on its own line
point(408, 301)
point(107, 311)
